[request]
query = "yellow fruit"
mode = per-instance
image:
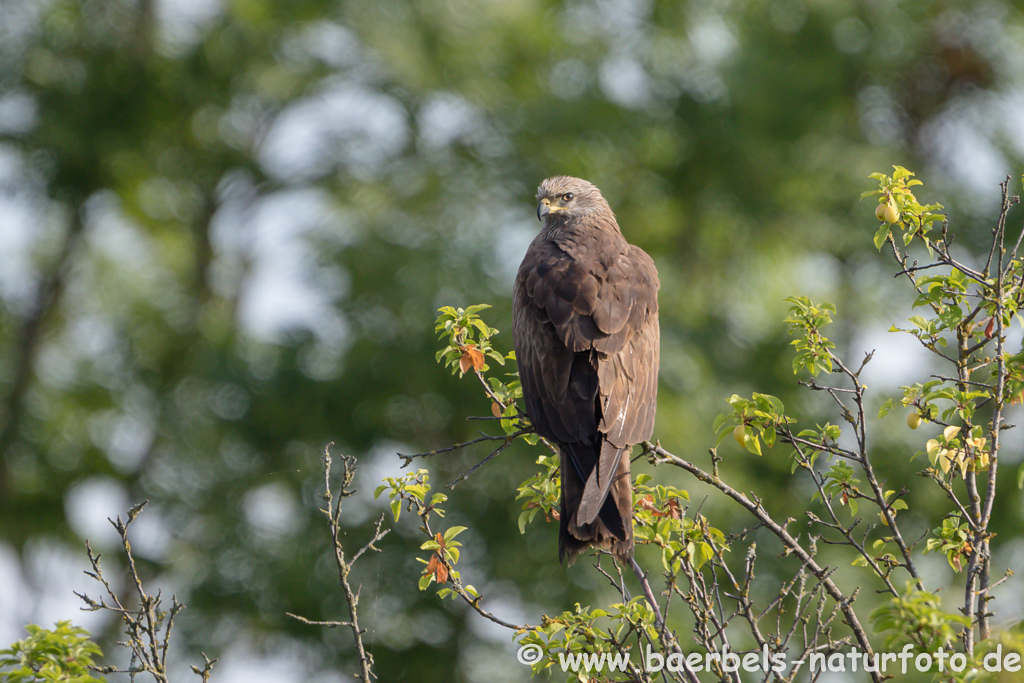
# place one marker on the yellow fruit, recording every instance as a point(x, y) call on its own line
point(880, 212)
point(890, 213)
point(740, 434)
point(913, 420)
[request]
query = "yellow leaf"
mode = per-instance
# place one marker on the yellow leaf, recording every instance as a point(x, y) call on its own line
point(962, 461)
point(944, 460)
point(949, 432)
point(983, 460)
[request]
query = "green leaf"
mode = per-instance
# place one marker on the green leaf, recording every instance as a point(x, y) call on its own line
point(881, 236)
point(526, 517)
point(899, 173)
point(885, 409)
point(482, 326)
point(419, 491)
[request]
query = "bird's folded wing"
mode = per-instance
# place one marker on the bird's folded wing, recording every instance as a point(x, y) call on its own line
point(628, 374)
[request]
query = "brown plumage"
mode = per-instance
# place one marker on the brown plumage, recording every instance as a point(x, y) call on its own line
point(585, 326)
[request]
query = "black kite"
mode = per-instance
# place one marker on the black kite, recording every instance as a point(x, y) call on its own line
point(585, 326)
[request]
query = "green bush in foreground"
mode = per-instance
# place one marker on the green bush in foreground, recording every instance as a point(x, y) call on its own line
point(64, 654)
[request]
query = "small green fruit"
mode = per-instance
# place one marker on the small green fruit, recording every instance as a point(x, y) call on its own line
point(914, 420)
point(740, 434)
point(880, 212)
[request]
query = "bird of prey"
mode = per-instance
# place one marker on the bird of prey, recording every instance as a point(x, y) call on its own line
point(585, 328)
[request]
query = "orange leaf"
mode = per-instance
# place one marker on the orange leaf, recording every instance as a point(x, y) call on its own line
point(440, 539)
point(495, 409)
point(471, 358)
point(989, 329)
point(437, 568)
point(670, 509)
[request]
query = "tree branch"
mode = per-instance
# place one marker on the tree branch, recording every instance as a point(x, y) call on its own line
point(660, 456)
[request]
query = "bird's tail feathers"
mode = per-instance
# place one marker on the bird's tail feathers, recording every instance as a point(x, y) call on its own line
point(610, 501)
point(599, 482)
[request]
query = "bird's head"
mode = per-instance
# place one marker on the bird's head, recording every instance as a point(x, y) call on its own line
point(563, 197)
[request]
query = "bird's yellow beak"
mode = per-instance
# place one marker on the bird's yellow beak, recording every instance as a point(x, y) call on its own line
point(545, 207)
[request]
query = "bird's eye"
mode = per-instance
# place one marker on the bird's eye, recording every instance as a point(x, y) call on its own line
point(567, 196)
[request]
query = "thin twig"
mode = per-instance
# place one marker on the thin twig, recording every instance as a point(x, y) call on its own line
point(508, 442)
point(660, 455)
point(332, 511)
point(457, 446)
point(148, 627)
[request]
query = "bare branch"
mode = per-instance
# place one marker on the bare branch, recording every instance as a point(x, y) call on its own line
point(333, 513)
point(660, 456)
point(508, 442)
point(454, 447)
point(148, 626)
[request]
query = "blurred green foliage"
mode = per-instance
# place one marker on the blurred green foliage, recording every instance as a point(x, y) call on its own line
point(62, 654)
point(231, 228)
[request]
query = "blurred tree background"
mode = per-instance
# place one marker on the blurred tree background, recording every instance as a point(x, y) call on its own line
point(226, 226)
